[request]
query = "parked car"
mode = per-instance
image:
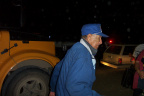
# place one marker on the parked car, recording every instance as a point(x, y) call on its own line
point(118, 55)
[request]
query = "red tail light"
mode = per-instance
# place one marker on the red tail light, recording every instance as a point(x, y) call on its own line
point(132, 59)
point(120, 61)
point(110, 41)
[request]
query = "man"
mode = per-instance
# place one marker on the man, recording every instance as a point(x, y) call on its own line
point(75, 73)
point(138, 82)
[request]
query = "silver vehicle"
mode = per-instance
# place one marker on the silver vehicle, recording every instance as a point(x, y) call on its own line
point(118, 55)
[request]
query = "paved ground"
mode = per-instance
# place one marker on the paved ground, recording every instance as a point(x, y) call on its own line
point(108, 82)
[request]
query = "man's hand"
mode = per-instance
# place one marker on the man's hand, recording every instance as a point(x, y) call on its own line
point(141, 74)
point(52, 94)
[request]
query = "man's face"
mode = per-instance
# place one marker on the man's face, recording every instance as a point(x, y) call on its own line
point(94, 40)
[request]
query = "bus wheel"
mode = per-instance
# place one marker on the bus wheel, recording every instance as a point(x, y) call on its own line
point(30, 82)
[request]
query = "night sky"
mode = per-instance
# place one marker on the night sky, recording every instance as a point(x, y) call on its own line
point(122, 20)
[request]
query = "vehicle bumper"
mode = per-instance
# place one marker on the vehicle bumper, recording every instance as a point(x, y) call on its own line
point(115, 65)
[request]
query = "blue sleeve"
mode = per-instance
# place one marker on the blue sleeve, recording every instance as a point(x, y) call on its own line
point(79, 81)
point(55, 75)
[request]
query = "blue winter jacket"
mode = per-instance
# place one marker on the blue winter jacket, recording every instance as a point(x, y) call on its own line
point(74, 74)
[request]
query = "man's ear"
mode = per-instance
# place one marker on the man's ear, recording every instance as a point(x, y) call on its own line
point(89, 37)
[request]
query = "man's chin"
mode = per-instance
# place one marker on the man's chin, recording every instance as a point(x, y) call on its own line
point(96, 47)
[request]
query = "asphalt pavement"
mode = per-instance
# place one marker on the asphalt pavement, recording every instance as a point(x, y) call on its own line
point(108, 82)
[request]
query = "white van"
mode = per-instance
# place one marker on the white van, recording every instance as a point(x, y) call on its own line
point(118, 55)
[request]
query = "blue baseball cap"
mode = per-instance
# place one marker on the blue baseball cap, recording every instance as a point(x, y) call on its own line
point(92, 29)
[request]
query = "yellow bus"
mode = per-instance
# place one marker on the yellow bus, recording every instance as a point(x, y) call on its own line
point(25, 66)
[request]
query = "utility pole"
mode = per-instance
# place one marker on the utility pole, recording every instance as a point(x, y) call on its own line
point(19, 3)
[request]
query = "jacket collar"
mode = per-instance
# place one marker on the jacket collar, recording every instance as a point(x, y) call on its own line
point(83, 42)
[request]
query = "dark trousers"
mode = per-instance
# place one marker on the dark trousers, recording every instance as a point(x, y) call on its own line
point(137, 92)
